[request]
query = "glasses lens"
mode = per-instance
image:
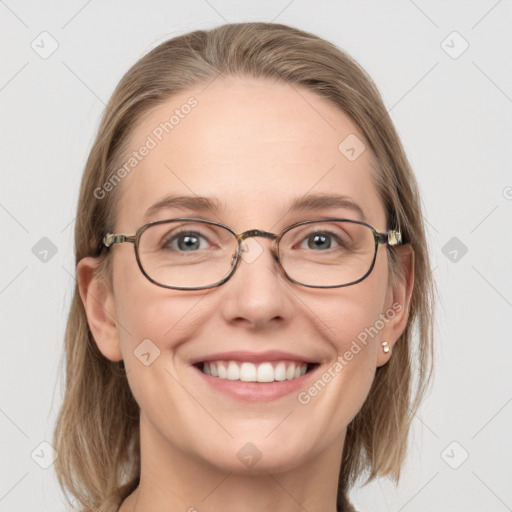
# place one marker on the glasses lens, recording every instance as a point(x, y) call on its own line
point(187, 254)
point(327, 253)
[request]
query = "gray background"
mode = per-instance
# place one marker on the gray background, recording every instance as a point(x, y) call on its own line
point(452, 111)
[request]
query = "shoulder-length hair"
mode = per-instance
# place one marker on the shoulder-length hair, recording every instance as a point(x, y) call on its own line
point(97, 430)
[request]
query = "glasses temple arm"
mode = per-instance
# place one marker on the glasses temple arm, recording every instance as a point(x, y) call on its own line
point(392, 237)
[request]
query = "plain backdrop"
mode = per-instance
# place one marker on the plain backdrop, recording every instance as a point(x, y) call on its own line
point(443, 68)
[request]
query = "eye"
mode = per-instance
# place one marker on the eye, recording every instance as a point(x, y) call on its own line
point(187, 241)
point(320, 241)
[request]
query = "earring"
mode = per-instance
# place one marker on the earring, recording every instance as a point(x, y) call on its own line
point(385, 346)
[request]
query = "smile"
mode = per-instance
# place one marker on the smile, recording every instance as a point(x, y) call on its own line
point(255, 376)
point(250, 372)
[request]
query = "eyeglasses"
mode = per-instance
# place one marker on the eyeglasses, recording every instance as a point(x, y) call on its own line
point(194, 254)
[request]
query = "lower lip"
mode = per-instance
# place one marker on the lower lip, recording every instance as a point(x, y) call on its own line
point(256, 391)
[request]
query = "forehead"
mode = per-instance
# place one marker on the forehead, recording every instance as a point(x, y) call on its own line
point(255, 146)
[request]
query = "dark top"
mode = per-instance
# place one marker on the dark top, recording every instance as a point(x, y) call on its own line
point(344, 505)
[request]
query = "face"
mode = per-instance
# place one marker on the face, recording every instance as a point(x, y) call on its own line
point(254, 147)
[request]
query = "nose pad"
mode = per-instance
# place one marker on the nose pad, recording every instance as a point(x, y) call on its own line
point(251, 250)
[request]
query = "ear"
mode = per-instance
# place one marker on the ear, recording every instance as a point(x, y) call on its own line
point(398, 298)
point(98, 301)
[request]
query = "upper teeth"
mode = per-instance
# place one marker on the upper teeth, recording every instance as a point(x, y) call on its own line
point(250, 372)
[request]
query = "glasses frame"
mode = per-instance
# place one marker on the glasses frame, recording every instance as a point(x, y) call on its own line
point(391, 238)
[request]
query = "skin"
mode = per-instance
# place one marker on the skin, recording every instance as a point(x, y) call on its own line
point(257, 146)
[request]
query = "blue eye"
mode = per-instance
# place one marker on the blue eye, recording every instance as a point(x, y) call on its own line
point(187, 241)
point(319, 241)
point(322, 241)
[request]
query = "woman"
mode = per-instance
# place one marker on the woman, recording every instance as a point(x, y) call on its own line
point(255, 351)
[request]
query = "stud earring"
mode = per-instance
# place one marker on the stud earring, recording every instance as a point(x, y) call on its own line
point(385, 346)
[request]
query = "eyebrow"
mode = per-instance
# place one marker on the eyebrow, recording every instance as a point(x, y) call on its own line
point(311, 202)
point(314, 202)
point(194, 203)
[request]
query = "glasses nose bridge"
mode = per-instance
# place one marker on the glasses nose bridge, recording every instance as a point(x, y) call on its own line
point(252, 233)
point(255, 232)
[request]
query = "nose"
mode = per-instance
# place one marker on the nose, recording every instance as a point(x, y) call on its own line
point(257, 295)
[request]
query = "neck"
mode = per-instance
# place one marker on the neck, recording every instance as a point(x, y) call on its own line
point(173, 480)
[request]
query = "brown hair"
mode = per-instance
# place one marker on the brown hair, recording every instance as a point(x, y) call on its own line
point(96, 434)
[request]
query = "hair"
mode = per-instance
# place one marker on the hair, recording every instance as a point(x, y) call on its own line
point(97, 429)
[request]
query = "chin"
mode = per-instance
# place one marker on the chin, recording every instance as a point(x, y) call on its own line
point(257, 455)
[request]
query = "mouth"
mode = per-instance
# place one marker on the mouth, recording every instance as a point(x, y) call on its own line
point(262, 372)
point(255, 376)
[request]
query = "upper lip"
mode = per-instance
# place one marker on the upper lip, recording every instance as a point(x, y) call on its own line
point(252, 357)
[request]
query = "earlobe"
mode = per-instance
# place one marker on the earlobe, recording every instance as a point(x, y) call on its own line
point(397, 303)
point(98, 301)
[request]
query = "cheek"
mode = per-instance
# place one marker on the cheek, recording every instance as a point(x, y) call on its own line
point(161, 316)
point(342, 384)
point(153, 323)
point(145, 310)
point(350, 319)
point(351, 314)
